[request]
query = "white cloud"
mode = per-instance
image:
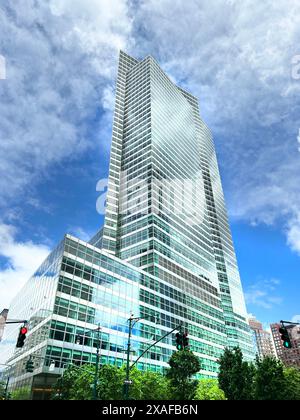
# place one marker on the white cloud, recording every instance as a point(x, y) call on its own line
point(21, 261)
point(79, 232)
point(2, 68)
point(236, 57)
point(276, 197)
point(296, 318)
point(293, 233)
point(262, 293)
point(108, 98)
point(60, 56)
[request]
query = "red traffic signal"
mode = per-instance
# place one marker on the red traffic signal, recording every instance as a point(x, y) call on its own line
point(22, 336)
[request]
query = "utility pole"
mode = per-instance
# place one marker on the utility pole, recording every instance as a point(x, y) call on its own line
point(132, 321)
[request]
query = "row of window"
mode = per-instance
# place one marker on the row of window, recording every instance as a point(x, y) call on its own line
point(171, 322)
point(182, 311)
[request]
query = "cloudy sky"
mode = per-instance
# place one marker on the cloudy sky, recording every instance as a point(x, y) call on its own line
point(239, 57)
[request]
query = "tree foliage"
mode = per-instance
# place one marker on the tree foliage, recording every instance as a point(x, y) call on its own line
point(64, 388)
point(266, 379)
point(270, 381)
point(236, 377)
point(153, 386)
point(77, 384)
point(183, 365)
point(208, 389)
point(23, 393)
point(292, 383)
point(145, 384)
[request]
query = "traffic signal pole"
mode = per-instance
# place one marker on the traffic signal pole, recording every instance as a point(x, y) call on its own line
point(289, 322)
point(16, 321)
point(157, 341)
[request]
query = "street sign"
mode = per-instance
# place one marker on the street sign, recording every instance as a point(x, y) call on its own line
point(128, 382)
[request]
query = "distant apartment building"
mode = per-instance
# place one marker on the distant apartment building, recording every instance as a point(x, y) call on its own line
point(3, 317)
point(262, 339)
point(289, 357)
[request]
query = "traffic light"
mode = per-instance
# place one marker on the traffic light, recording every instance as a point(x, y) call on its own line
point(185, 340)
point(22, 336)
point(29, 365)
point(179, 343)
point(285, 337)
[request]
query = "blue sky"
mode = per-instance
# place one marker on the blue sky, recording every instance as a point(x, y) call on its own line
point(56, 114)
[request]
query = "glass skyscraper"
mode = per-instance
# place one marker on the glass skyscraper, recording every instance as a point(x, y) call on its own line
point(165, 205)
point(164, 253)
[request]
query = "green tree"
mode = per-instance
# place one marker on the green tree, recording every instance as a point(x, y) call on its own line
point(111, 382)
point(208, 389)
point(145, 384)
point(183, 365)
point(292, 383)
point(83, 382)
point(64, 387)
point(77, 384)
point(22, 393)
point(155, 386)
point(148, 385)
point(270, 382)
point(236, 377)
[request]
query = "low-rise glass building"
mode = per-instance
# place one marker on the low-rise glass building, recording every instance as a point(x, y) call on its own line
point(79, 287)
